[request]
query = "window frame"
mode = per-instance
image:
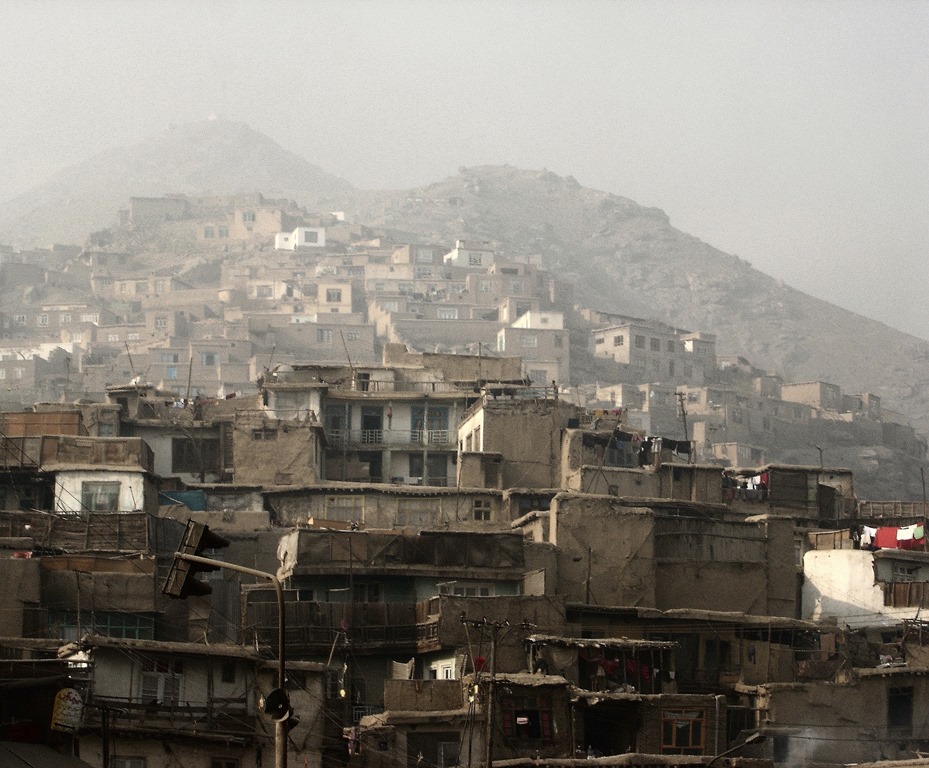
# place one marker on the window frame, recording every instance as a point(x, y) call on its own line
point(93, 491)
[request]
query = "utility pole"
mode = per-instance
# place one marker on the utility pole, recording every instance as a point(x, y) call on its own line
point(494, 627)
point(590, 553)
point(680, 401)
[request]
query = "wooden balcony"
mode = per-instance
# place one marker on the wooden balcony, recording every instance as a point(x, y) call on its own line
point(219, 719)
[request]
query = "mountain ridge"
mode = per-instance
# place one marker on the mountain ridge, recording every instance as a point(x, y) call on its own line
point(212, 156)
point(623, 257)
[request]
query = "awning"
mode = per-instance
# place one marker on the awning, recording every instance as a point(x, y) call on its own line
point(14, 754)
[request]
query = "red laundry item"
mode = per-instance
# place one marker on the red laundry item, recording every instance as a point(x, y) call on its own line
point(632, 667)
point(646, 673)
point(610, 666)
point(919, 544)
point(887, 538)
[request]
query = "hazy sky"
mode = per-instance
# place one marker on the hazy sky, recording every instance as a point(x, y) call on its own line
point(794, 134)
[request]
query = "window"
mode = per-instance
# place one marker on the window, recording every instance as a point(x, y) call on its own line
point(905, 572)
point(466, 589)
point(368, 592)
point(224, 231)
point(124, 287)
point(527, 718)
point(132, 337)
point(100, 496)
point(2, 373)
point(656, 365)
point(528, 341)
point(169, 357)
point(639, 342)
point(737, 415)
point(481, 509)
point(127, 762)
point(900, 709)
point(208, 359)
point(485, 286)
point(682, 731)
point(324, 335)
point(42, 320)
point(670, 346)
point(333, 295)
point(194, 456)
point(19, 319)
point(423, 273)
point(311, 236)
point(90, 318)
point(248, 217)
point(64, 319)
point(265, 433)
point(208, 231)
point(474, 259)
point(171, 372)
point(162, 681)
point(132, 626)
point(599, 340)
point(353, 335)
point(263, 291)
point(655, 345)
point(161, 322)
point(228, 672)
point(447, 313)
point(112, 337)
point(516, 286)
point(424, 254)
point(670, 367)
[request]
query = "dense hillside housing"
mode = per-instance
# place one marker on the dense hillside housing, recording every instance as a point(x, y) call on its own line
point(482, 558)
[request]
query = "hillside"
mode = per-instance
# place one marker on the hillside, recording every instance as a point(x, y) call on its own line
point(207, 157)
point(627, 258)
point(623, 257)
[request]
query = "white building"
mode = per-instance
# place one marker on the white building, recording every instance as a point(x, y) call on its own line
point(301, 237)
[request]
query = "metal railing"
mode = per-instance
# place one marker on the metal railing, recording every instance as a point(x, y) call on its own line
point(442, 438)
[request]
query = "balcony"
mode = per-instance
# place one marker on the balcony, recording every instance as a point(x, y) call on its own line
point(395, 438)
point(401, 628)
point(218, 718)
point(373, 385)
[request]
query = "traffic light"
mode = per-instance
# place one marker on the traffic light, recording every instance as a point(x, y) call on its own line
point(182, 581)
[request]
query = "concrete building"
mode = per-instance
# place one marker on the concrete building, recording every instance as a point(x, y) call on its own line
point(301, 237)
point(657, 351)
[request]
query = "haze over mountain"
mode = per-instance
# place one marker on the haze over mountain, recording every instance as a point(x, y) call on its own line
point(624, 257)
point(208, 157)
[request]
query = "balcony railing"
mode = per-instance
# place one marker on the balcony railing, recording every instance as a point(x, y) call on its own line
point(218, 716)
point(372, 385)
point(439, 438)
point(313, 626)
